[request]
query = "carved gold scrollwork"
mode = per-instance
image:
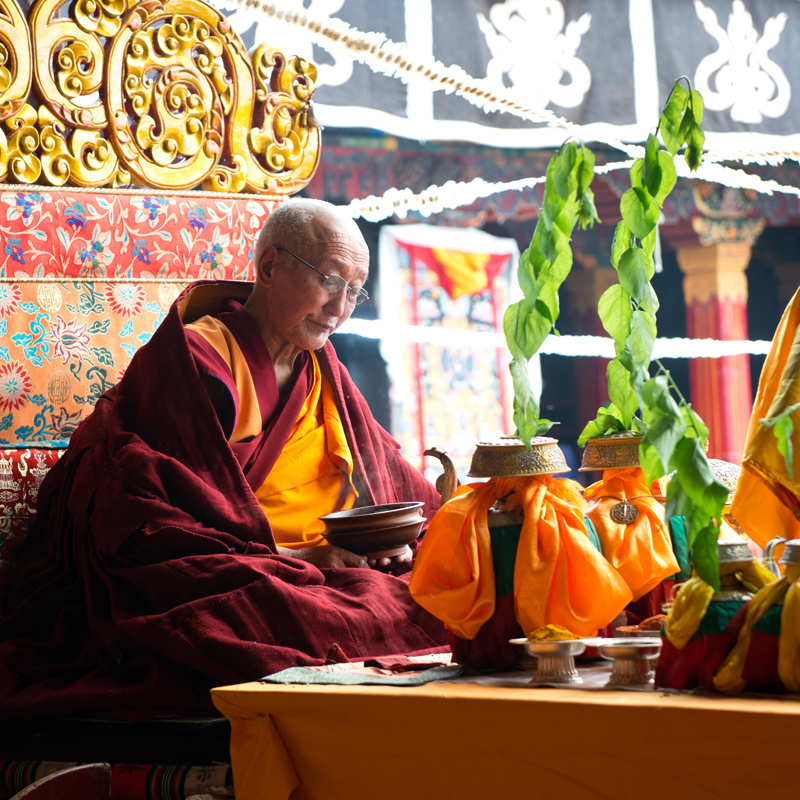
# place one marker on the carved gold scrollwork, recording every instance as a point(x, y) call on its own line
point(167, 109)
point(18, 160)
point(15, 59)
point(282, 151)
point(84, 158)
point(69, 57)
point(160, 93)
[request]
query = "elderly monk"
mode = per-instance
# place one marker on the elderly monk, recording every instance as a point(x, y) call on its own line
point(178, 545)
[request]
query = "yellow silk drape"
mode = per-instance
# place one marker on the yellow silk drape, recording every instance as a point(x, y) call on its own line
point(691, 603)
point(729, 676)
point(559, 576)
point(642, 551)
point(766, 502)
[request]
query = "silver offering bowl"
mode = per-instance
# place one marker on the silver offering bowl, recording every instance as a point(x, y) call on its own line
point(555, 660)
point(633, 659)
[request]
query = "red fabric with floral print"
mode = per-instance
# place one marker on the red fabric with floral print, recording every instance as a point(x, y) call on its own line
point(105, 269)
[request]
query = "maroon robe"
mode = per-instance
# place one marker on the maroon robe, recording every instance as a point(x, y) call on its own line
point(152, 574)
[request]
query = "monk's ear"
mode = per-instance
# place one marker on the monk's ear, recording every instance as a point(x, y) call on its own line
point(266, 266)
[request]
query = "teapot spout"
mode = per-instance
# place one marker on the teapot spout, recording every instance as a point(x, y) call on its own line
point(447, 483)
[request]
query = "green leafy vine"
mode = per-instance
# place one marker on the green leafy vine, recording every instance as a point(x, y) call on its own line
point(568, 200)
point(673, 434)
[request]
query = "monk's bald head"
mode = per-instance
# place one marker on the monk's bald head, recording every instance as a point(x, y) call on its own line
point(300, 224)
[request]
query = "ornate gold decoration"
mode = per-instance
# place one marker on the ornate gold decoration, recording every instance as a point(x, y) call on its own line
point(15, 59)
point(509, 458)
point(285, 144)
point(614, 451)
point(18, 159)
point(69, 57)
point(158, 93)
point(624, 513)
point(85, 159)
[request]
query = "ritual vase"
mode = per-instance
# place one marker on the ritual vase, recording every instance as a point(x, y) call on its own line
point(650, 575)
point(506, 457)
point(694, 664)
point(761, 668)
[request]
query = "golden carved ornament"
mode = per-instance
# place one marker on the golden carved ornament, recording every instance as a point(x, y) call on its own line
point(83, 159)
point(69, 56)
point(15, 59)
point(159, 93)
point(19, 143)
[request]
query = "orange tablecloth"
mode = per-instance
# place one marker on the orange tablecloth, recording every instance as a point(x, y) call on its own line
point(464, 740)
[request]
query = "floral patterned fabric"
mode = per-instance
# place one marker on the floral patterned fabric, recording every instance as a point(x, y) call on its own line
point(85, 278)
point(68, 234)
point(21, 474)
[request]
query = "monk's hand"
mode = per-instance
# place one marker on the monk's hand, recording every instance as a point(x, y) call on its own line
point(391, 563)
point(326, 556)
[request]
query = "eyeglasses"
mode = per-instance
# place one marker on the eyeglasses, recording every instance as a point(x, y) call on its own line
point(334, 283)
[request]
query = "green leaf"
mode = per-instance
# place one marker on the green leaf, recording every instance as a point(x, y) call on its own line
point(678, 502)
point(639, 211)
point(622, 242)
point(695, 427)
point(604, 423)
point(783, 430)
point(585, 169)
point(703, 546)
point(587, 211)
point(547, 302)
point(544, 425)
point(705, 490)
point(652, 166)
point(694, 150)
point(632, 270)
point(697, 106)
point(563, 178)
point(671, 118)
point(526, 275)
point(658, 445)
point(614, 309)
point(669, 176)
point(657, 396)
point(783, 426)
point(650, 301)
point(525, 329)
point(643, 336)
point(621, 392)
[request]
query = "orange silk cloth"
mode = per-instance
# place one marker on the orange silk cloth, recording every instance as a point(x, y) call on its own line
point(313, 473)
point(642, 551)
point(559, 577)
point(766, 502)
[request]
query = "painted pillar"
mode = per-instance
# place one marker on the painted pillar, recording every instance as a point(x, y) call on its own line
point(715, 291)
point(585, 287)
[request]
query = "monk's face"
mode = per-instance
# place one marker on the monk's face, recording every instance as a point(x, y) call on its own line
point(302, 314)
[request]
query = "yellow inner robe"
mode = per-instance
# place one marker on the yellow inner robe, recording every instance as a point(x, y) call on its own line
point(313, 473)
